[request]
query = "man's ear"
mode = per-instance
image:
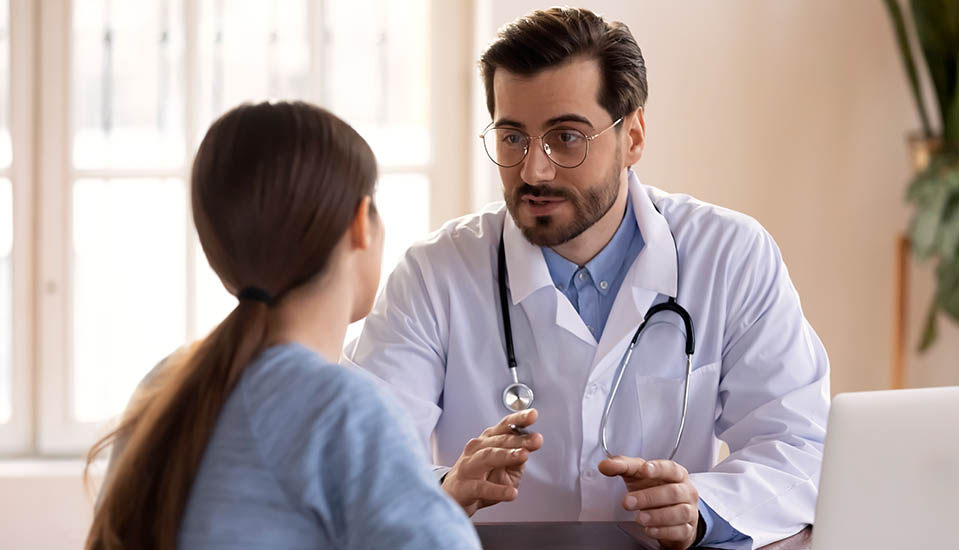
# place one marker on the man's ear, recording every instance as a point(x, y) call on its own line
point(361, 229)
point(635, 125)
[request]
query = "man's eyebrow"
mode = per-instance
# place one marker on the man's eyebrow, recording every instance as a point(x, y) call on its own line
point(508, 122)
point(569, 117)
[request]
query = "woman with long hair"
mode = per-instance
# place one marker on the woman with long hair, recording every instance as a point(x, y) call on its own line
point(253, 437)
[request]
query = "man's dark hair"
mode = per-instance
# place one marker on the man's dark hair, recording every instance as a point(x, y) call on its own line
point(549, 38)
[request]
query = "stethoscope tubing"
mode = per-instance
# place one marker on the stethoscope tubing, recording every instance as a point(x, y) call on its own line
point(517, 389)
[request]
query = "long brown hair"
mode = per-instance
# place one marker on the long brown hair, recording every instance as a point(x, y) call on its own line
point(274, 188)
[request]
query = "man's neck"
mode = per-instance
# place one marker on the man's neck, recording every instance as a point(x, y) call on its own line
point(591, 242)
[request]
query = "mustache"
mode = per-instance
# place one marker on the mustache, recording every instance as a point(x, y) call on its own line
point(542, 191)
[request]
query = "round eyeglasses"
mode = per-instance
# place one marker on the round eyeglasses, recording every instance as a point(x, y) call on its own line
point(565, 147)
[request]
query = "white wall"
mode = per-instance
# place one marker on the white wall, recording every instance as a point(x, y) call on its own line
point(43, 505)
point(795, 112)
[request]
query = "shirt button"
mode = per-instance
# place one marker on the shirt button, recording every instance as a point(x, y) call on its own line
point(581, 276)
point(591, 390)
point(589, 475)
point(603, 285)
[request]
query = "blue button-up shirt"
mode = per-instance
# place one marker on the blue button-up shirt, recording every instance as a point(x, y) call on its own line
point(591, 289)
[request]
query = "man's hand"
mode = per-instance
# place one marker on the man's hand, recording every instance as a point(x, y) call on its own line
point(664, 499)
point(491, 466)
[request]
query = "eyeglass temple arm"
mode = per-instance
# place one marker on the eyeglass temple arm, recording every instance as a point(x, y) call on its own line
point(608, 128)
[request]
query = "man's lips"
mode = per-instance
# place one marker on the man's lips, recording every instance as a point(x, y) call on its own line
point(541, 206)
point(541, 200)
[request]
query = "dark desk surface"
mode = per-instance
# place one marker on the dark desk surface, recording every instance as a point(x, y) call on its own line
point(598, 534)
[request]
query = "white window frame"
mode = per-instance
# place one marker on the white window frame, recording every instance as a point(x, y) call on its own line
point(53, 245)
point(57, 432)
point(16, 435)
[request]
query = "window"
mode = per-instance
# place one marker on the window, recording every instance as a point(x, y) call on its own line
point(6, 223)
point(16, 104)
point(127, 90)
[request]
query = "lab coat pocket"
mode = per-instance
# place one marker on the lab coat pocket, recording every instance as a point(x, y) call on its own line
point(661, 409)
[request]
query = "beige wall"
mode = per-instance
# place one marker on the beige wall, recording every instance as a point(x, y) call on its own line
point(796, 113)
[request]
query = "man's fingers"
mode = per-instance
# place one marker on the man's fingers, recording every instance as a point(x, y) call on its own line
point(533, 441)
point(677, 514)
point(490, 458)
point(660, 496)
point(679, 533)
point(664, 470)
point(485, 490)
point(621, 466)
point(510, 441)
point(502, 458)
point(521, 419)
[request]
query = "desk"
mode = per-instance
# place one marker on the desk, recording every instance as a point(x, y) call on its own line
point(609, 535)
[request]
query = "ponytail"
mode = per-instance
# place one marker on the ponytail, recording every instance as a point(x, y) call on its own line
point(167, 429)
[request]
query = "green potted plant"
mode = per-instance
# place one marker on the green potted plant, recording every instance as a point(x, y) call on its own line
point(934, 192)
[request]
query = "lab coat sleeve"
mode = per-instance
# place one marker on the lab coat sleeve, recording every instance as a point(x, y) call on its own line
point(774, 399)
point(403, 343)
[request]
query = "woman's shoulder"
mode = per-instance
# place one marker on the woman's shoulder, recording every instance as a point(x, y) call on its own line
point(299, 405)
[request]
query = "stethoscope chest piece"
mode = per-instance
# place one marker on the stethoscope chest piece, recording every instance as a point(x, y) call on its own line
point(517, 397)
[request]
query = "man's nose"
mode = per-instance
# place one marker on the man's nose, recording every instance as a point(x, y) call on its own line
point(537, 167)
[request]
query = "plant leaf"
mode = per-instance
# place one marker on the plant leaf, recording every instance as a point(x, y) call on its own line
point(950, 113)
point(924, 227)
point(937, 28)
point(908, 61)
point(948, 236)
point(947, 288)
point(930, 332)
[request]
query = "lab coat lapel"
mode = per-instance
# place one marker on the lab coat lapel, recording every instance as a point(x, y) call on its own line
point(528, 274)
point(652, 273)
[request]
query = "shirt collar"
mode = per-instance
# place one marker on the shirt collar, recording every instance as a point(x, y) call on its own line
point(606, 265)
point(654, 269)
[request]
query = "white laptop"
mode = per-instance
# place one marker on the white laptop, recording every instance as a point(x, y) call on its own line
point(890, 475)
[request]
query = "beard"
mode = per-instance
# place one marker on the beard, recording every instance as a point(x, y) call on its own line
point(589, 206)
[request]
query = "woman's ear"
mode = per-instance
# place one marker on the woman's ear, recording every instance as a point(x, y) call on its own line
point(361, 229)
point(635, 124)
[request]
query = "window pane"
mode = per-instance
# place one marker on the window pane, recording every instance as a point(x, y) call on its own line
point(128, 84)
point(129, 285)
point(251, 50)
point(5, 148)
point(386, 95)
point(213, 302)
point(403, 201)
point(6, 223)
point(6, 298)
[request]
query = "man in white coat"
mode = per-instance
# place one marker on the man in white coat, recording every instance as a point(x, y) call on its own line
point(588, 250)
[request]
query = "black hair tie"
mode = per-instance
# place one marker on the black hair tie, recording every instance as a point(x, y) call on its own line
point(256, 294)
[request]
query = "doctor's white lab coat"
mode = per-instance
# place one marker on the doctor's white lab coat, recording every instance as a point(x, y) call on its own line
point(760, 379)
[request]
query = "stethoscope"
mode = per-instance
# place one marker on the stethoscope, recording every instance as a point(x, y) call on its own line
point(519, 396)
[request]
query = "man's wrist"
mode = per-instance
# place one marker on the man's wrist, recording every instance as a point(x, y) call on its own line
point(700, 530)
point(440, 473)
